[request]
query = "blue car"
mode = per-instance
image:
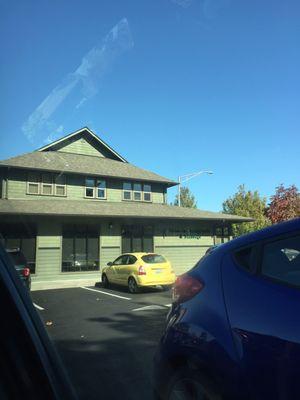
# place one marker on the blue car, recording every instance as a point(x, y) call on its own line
point(233, 331)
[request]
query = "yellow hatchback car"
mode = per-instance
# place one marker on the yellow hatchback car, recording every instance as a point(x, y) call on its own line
point(136, 270)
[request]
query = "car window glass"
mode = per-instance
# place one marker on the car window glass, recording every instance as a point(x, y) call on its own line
point(121, 260)
point(153, 259)
point(243, 257)
point(131, 260)
point(281, 260)
point(118, 260)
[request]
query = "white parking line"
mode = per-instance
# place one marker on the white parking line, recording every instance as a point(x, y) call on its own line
point(108, 294)
point(153, 307)
point(38, 307)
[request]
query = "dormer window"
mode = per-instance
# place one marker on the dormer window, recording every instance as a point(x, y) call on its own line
point(46, 184)
point(137, 192)
point(147, 193)
point(95, 188)
point(127, 191)
point(33, 183)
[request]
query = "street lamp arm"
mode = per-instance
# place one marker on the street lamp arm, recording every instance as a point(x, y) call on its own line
point(185, 178)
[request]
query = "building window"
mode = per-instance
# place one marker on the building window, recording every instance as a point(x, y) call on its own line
point(137, 192)
point(95, 188)
point(127, 191)
point(89, 187)
point(80, 248)
point(22, 237)
point(137, 238)
point(101, 189)
point(47, 184)
point(147, 192)
point(60, 186)
point(33, 184)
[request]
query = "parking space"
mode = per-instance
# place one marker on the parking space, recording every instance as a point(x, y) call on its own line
point(106, 337)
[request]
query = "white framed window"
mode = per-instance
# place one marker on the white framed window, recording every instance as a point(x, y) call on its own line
point(95, 188)
point(60, 187)
point(101, 189)
point(147, 193)
point(127, 191)
point(47, 185)
point(137, 191)
point(33, 183)
point(89, 187)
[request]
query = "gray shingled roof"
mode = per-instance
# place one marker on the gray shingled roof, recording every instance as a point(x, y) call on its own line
point(97, 208)
point(82, 164)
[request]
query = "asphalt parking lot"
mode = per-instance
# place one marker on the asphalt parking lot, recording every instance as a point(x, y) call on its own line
point(106, 337)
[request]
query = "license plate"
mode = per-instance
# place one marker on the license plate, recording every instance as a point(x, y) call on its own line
point(158, 271)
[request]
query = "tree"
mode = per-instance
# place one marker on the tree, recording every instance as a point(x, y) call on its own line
point(247, 204)
point(285, 204)
point(187, 199)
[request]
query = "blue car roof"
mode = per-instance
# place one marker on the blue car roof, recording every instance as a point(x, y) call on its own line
point(273, 230)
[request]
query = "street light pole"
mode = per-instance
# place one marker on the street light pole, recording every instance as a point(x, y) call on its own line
point(185, 178)
point(179, 191)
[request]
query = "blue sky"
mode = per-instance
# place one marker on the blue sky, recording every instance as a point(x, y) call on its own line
point(175, 86)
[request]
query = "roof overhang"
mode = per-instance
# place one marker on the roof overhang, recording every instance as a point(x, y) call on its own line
point(89, 208)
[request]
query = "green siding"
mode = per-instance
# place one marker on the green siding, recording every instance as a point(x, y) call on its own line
point(110, 242)
point(109, 254)
point(48, 257)
point(48, 263)
point(81, 146)
point(183, 251)
point(158, 193)
point(182, 258)
point(17, 189)
point(17, 184)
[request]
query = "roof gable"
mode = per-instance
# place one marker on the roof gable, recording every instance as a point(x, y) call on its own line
point(84, 142)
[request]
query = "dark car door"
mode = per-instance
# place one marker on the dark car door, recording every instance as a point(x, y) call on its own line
point(30, 368)
point(262, 295)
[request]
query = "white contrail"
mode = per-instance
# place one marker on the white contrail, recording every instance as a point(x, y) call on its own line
point(86, 78)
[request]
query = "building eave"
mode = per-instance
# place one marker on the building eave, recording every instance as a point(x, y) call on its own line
point(89, 208)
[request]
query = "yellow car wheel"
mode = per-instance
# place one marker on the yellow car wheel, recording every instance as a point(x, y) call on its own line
point(105, 282)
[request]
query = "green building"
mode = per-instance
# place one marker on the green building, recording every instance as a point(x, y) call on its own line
point(75, 204)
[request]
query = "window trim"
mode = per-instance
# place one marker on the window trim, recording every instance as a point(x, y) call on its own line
point(144, 192)
point(141, 192)
point(95, 188)
point(127, 191)
point(43, 184)
point(56, 185)
point(29, 182)
point(40, 184)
